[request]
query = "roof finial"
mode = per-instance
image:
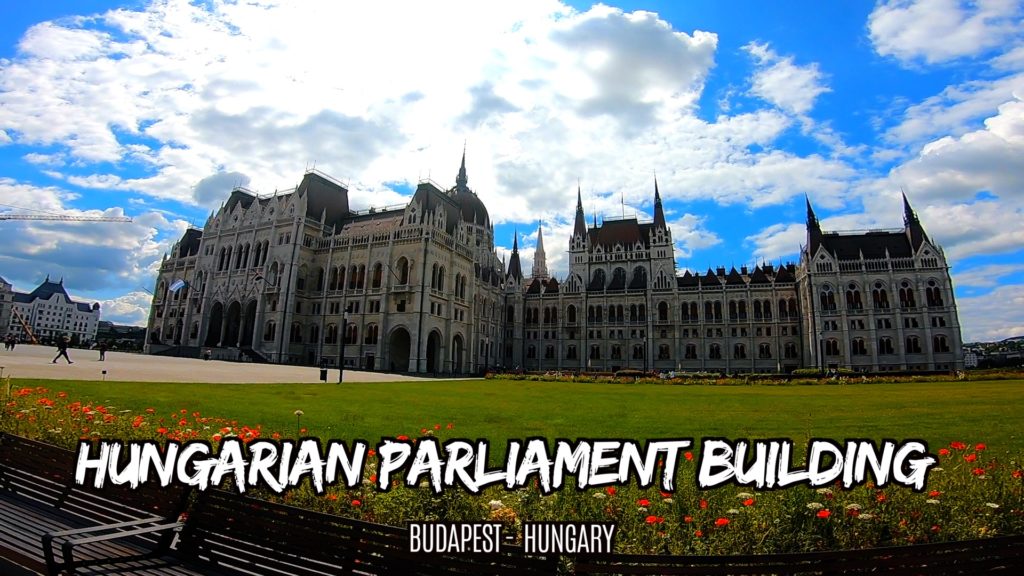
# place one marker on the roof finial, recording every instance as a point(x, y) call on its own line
point(462, 181)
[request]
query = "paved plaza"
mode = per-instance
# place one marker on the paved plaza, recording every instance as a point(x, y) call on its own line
point(28, 361)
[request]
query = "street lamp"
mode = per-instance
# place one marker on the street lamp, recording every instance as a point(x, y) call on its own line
point(821, 351)
point(341, 346)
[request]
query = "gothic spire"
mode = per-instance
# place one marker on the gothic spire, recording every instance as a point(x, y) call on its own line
point(515, 269)
point(659, 212)
point(813, 229)
point(540, 265)
point(580, 229)
point(462, 181)
point(912, 225)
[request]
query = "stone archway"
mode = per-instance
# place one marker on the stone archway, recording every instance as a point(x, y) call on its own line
point(433, 352)
point(458, 353)
point(248, 324)
point(234, 325)
point(398, 349)
point(214, 328)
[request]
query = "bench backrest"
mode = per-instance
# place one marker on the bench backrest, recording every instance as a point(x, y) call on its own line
point(1005, 555)
point(239, 534)
point(43, 475)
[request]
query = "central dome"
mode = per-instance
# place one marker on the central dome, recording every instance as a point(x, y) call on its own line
point(471, 207)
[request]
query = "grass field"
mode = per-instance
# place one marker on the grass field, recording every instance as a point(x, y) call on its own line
point(990, 412)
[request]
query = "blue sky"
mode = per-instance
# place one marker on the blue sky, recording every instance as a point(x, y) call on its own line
point(157, 109)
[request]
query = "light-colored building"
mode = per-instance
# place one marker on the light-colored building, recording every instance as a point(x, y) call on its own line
point(298, 277)
point(51, 313)
point(6, 302)
point(268, 278)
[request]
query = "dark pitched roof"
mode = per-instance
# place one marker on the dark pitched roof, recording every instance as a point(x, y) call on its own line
point(626, 232)
point(433, 198)
point(785, 274)
point(552, 287)
point(535, 286)
point(325, 197)
point(515, 268)
point(759, 277)
point(47, 289)
point(189, 243)
point(687, 280)
point(871, 244)
point(734, 278)
point(710, 279)
point(471, 207)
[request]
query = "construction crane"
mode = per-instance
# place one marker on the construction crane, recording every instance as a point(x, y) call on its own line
point(24, 324)
point(60, 218)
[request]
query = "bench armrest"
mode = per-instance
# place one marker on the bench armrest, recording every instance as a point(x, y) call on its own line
point(111, 532)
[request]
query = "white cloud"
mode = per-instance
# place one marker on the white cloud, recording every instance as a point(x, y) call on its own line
point(131, 308)
point(91, 256)
point(690, 234)
point(935, 31)
point(987, 276)
point(994, 316)
point(778, 241)
point(780, 81)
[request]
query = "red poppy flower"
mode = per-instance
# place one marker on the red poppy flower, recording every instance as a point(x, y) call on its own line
point(722, 522)
point(934, 494)
point(943, 452)
point(654, 519)
point(610, 490)
point(936, 529)
point(824, 513)
point(699, 533)
point(688, 455)
point(161, 430)
point(687, 519)
point(748, 502)
point(643, 502)
point(703, 504)
point(958, 445)
point(356, 503)
point(979, 447)
point(971, 457)
point(1016, 474)
point(978, 471)
point(402, 437)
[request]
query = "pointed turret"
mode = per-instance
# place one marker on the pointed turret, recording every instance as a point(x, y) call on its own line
point(580, 229)
point(515, 269)
point(813, 229)
point(540, 265)
point(659, 212)
point(462, 181)
point(912, 225)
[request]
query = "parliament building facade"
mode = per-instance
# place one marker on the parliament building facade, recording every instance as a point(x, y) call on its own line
point(298, 277)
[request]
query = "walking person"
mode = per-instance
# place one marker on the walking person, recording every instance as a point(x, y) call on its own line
point(103, 351)
point(62, 350)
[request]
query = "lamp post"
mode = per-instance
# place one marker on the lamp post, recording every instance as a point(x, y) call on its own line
point(821, 351)
point(341, 346)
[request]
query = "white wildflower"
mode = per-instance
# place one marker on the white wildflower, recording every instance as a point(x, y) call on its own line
point(853, 506)
point(496, 504)
point(815, 506)
point(932, 501)
point(744, 495)
point(600, 495)
point(992, 505)
point(825, 491)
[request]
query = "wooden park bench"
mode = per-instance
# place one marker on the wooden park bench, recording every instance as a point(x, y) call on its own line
point(41, 505)
point(47, 523)
point(1003, 555)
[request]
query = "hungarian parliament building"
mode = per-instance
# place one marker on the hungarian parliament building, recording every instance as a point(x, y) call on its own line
point(299, 277)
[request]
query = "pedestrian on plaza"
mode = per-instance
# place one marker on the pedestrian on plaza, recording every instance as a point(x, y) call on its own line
point(103, 351)
point(62, 350)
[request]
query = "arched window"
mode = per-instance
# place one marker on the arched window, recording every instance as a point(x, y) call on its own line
point(570, 314)
point(764, 351)
point(403, 270)
point(351, 334)
point(662, 311)
point(269, 331)
point(913, 345)
point(691, 352)
point(790, 350)
point(714, 352)
point(907, 299)
point(632, 313)
point(858, 348)
point(378, 273)
point(718, 311)
point(314, 334)
point(510, 314)
point(831, 347)
point(933, 294)
point(331, 334)
point(639, 278)
point(333, 284)
point(597, 280)
point(767, 306)
point(194, 331)
point(320, 279)
point(733, 314)
point(371, 334)
point(739, 351)
point(853, 298)
point(879, 296)
point(885, 347)
point(828, 300)
point(757, 310)
point(295, 337)
point(939, 343)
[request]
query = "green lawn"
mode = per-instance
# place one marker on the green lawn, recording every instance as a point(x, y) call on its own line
point(990, 412)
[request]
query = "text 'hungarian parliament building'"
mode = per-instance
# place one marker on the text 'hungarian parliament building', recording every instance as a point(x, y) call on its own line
point(298, 277)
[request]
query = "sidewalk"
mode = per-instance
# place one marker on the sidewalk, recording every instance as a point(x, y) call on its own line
point(28, 361)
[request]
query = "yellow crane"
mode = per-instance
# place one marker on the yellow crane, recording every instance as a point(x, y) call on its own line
point(63, 218)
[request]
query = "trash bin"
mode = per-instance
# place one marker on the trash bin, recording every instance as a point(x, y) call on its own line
point(323, 374)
